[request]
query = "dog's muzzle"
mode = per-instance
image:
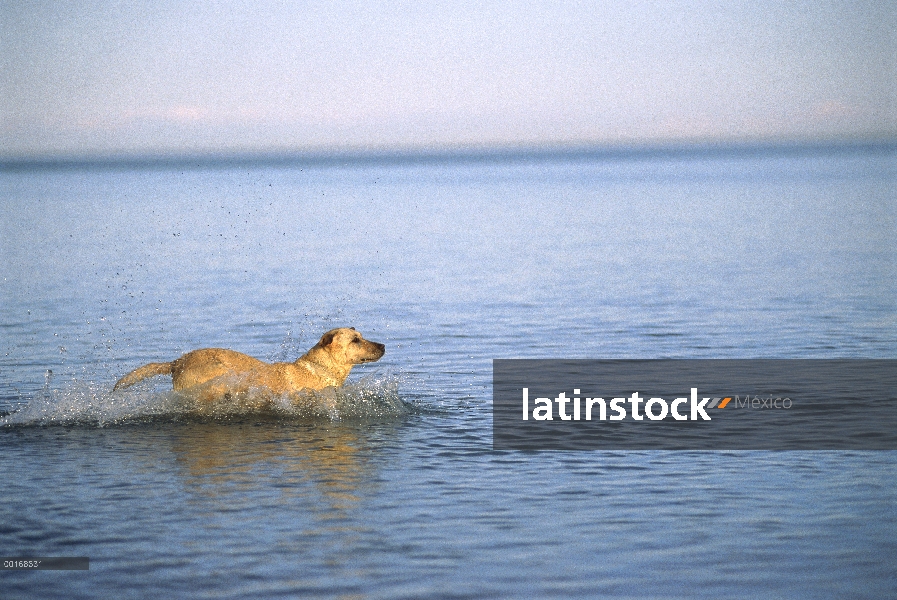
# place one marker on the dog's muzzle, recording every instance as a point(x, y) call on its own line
point(380, 350)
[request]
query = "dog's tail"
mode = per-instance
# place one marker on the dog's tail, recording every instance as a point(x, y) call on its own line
point(143, 372)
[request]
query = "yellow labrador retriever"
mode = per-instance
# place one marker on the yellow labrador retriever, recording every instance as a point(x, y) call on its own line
point(328, 363)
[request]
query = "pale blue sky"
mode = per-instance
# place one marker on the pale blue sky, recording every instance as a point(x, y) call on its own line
point(155, 76)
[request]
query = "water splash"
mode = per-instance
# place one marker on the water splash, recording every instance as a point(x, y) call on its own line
point(83, 403)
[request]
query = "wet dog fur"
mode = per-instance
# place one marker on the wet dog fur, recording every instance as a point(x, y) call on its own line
point(328, 363)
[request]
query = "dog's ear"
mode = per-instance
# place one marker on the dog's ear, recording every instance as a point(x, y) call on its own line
point(327, 339)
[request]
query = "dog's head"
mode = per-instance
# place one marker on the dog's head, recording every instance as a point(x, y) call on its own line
point(347, 347)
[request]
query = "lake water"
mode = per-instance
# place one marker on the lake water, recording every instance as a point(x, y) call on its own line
point(398, 493)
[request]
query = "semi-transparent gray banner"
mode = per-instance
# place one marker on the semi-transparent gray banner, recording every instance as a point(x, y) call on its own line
point(765, 404)
point(45, 563)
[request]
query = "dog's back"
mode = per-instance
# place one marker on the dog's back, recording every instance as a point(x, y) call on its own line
point(199, 366)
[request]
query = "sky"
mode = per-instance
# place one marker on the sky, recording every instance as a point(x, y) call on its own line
point(104, 78)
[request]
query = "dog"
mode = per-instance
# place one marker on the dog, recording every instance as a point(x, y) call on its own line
point(328, 363)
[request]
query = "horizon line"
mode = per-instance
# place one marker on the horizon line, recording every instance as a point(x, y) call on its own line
point(459, 154)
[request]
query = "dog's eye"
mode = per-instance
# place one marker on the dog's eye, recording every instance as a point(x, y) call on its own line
point(356, 341)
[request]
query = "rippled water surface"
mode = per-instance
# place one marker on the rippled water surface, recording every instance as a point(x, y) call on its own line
point(394, 490)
